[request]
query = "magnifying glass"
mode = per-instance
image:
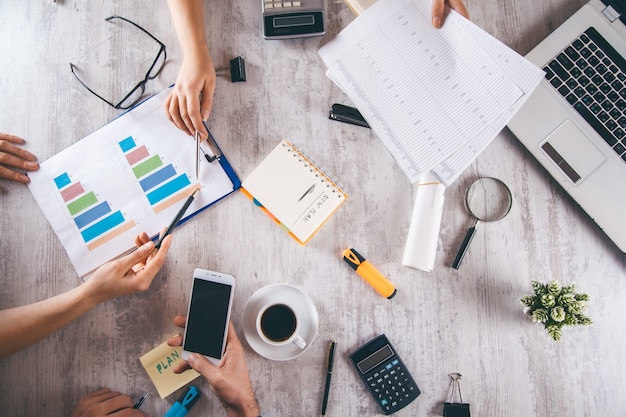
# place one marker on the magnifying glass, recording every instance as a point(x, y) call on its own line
point(487, 200)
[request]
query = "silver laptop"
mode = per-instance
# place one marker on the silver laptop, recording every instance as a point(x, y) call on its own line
point(575, 121)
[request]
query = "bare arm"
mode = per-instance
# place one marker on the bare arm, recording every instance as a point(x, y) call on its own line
point(23, 326)
point(192, 97)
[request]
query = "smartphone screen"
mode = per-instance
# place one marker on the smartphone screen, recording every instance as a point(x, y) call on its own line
point(207, 319)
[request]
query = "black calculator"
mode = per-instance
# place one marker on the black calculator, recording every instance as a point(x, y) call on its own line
point(385, 375)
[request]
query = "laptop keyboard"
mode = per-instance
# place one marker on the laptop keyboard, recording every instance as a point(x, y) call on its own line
point(591, 75)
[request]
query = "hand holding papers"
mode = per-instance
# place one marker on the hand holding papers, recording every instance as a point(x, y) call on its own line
point(435, 97)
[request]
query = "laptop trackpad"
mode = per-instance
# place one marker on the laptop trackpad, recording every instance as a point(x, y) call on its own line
point(572, 151)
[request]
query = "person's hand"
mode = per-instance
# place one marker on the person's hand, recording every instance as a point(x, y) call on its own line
point(439, 10)
point(229, 380)
point(13, 156)
point(105, 403)
point(191, 99)
point(131, 273)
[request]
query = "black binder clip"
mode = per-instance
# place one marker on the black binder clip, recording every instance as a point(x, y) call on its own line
point(452, 409)
point(237, 70)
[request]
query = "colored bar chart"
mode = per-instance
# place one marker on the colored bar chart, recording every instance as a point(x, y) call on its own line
point(96, 220)
point(162, 185)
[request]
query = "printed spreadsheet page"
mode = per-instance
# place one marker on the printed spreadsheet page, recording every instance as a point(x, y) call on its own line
point(435, 97)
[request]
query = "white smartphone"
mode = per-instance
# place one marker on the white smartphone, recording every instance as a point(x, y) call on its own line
point(208, 314)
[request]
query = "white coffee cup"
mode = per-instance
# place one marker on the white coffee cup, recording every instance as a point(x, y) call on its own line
point(277, 324)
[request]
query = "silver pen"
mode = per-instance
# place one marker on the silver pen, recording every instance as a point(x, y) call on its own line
point(197, 137)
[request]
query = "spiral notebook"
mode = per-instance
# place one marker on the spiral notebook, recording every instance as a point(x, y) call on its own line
point(293, 192)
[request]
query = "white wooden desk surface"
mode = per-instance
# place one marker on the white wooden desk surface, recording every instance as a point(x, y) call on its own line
point(468, 321)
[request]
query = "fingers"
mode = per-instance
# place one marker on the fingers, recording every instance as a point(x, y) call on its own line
point(194, 119)
point(142, 239)
point(232, 340)
point(185, 112)
point(12, 138)
point(8, 144)
point(180, 321)
point(115, 403)
point(206, 103)
point(175, 340)
point(438, 10)
point(138, 256)
point(174, 113)
point(12, 156)
point(128, 412)
point(202, 365)
point(156, 261)
point(459, 7)
point(182, 367)
point(9, 174)
point(178, 341)
point(105, 402)
point(437, 13)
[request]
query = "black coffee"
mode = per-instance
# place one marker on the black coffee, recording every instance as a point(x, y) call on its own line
point(278, 322)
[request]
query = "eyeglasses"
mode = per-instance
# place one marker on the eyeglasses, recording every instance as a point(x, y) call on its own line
point(137, 92)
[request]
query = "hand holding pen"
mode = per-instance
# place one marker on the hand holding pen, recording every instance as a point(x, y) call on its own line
point(177, 218)
point(128, 274)
point(105, 402)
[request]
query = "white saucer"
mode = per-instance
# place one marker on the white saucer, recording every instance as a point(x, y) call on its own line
point(298, 301)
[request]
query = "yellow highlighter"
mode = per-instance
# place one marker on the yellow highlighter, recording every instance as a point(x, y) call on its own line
point(370, 274)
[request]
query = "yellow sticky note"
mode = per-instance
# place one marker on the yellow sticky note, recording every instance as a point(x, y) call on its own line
point(160, 362)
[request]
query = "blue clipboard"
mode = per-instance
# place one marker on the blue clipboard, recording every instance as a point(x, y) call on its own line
point(215, 155)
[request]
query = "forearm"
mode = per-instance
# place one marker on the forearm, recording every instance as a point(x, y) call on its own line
point(23, 326)
point(188, 17)
point(248, 408)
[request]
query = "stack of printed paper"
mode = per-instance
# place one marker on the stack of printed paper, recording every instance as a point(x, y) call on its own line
point(435, 97)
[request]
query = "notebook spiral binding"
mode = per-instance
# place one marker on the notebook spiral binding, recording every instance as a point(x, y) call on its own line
point(319, 169)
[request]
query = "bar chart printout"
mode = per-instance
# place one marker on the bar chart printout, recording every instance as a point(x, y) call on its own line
point(162, 185)
point(130, 176)
point(96, 221)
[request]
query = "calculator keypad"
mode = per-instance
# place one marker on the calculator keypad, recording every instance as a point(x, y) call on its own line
point(277, 4)
point(392, 386)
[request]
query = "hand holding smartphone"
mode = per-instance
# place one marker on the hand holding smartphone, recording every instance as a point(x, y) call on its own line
point(208, 314)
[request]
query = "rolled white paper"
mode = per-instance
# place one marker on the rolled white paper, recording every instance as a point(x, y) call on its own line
point(421, 242)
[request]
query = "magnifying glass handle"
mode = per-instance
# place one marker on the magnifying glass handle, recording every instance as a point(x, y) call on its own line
point(463, 249)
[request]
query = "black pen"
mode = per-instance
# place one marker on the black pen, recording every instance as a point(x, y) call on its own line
point(179, 216)
point(329, 374)
point(141, 400)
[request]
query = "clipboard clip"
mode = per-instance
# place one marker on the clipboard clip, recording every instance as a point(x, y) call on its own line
point(214, 150)
point(454, 409)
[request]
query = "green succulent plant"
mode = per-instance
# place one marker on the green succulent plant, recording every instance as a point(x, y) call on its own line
point(555, 306)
